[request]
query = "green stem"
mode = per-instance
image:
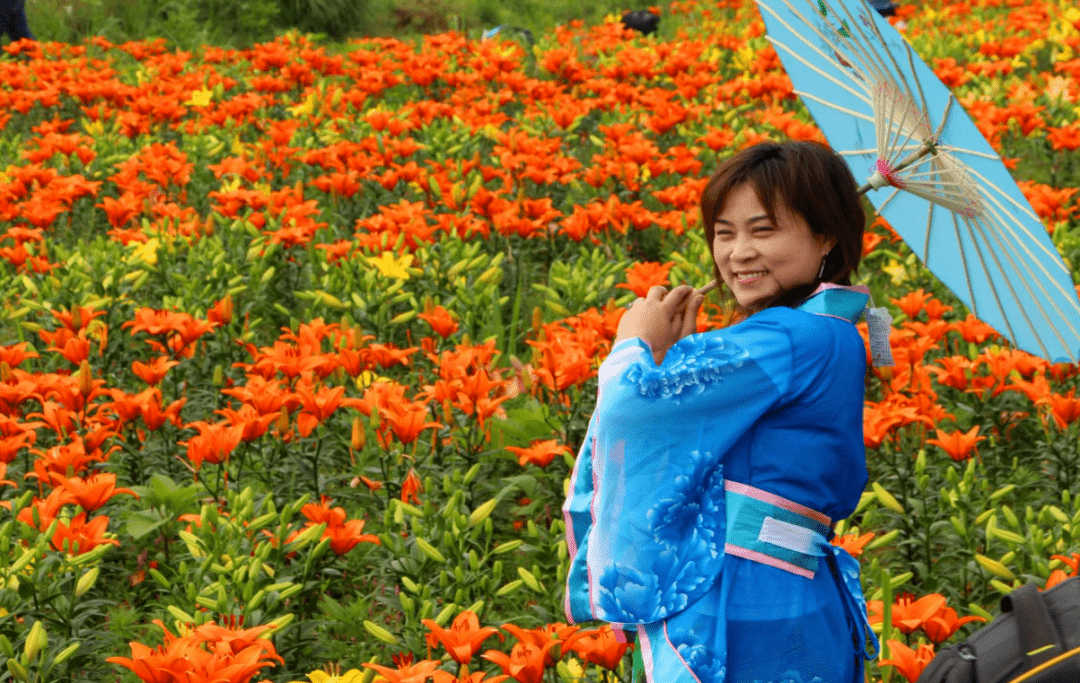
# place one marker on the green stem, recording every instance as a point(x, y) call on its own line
point(315, 464)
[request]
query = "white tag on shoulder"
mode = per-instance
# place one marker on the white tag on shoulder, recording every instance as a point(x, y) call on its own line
point(879, 324)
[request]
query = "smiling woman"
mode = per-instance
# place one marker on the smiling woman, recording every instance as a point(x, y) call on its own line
point(782, 218)
point(701, 505)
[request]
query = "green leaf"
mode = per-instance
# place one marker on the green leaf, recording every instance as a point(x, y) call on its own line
point(139, 523)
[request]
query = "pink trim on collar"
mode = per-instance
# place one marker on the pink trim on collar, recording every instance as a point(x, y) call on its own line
point(862, 289)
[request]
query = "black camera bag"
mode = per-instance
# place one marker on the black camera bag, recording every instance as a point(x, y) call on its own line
point(1036, 639)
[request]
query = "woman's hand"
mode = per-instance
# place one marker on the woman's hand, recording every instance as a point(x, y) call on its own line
point(660, 319)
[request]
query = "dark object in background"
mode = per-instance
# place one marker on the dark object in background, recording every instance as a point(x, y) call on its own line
point(1036, 639)
point(884, 7)
point(507, 29)
point(641, 20)
point(13, 19)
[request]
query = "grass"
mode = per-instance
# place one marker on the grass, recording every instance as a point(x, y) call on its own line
point(187, 24)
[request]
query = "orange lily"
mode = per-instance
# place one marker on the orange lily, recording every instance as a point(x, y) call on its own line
point(958, 445)
point(214, 442)
point(525, 663)
point(641, 277)
point(411, 487)
point(81, 536)
point(440, 320)
point(153, 372)
point(853, 544)
point(598, 646)
point(910, 663)
point(539, 452)
point(944, 623)
point(407, 673)
point(93, 491)
point(1065, 409)
point(464, 637)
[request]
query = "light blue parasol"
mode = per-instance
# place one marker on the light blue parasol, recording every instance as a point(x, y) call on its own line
point(928, 169)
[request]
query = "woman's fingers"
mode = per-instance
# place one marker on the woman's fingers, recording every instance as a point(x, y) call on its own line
point(689, 320)
point(676, 299)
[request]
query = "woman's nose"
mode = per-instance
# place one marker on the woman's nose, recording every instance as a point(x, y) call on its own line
point(742, 248)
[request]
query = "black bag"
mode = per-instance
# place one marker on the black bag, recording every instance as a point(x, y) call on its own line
point(1036, 639)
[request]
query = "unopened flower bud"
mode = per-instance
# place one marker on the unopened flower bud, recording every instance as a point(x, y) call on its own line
point(86, 582)
point(358, 434)
point(86, 380)
point(35, 641)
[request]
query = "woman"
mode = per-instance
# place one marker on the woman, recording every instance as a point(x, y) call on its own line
point(714, 465)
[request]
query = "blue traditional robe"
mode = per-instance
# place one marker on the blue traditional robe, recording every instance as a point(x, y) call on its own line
point(761, 420)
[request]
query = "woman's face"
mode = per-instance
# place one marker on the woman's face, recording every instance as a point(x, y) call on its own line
point(759, 258)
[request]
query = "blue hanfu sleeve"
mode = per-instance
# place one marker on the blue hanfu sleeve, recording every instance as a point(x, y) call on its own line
point(578, 519)
point(655, 537)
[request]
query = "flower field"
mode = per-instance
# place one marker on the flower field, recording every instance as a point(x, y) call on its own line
point(298, 343)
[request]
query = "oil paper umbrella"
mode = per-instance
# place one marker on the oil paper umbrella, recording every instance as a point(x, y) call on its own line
point(928, 169)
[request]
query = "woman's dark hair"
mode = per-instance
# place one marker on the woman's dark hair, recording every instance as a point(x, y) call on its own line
point(813, 182)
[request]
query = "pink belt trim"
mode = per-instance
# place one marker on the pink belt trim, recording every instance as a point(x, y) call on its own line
point(778, 501)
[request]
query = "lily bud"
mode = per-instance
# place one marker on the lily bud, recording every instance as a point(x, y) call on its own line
point(226, 311)
point(86, 582)
point(86, 380)
point(537, 320)
point(359, 436)
point(35, 641)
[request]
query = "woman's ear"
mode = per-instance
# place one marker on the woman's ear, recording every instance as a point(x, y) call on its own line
point(827, 244)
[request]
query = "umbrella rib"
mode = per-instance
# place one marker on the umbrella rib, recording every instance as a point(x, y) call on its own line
point(861, 96)
point(929, 227)
point(993, 288)
point(896, 148)
point(878, 66)
point(1016, 269)
point(831, 105)
point(892, 60)
point(811, 26)
point(964, 266)
point(918, 83)
point(863, 152)
point(867, 65)
point(1015, 203)
point(888, 199)
point(964, 150)
point(1025, 246)
point(885, 137)
point(1008, 283)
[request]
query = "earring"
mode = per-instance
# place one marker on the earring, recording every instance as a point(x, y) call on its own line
point(822, 271)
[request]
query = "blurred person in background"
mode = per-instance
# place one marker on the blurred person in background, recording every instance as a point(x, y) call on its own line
point(13, 19)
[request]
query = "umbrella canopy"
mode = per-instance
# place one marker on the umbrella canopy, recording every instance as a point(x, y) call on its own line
point(928, 169)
